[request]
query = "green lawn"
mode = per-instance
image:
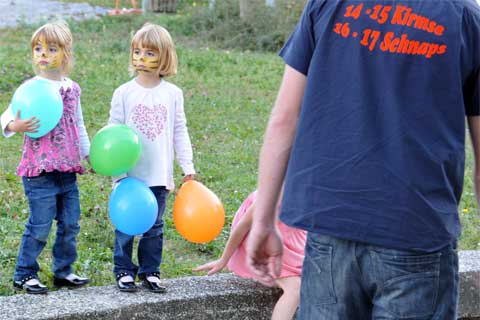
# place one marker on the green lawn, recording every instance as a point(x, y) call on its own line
point(228, 96)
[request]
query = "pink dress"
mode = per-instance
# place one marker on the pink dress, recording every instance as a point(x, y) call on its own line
point(60, 148)
point(293, 247)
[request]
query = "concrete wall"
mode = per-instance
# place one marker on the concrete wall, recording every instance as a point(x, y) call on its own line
point(221, 296)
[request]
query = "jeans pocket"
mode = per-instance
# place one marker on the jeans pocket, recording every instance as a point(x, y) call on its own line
point(36, 182)
point(408, 282)
point(317, 279)
point(36, 179)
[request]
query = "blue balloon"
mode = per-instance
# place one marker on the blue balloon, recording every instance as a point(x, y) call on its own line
point(38, 98)
point(132, 207)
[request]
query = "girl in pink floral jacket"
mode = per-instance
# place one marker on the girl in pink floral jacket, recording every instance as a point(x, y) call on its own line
point(49, 165)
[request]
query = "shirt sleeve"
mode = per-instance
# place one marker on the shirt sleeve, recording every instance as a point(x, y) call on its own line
point(181, 139)
point(84, 140)
point(117, 116)
point(298, 50)
point(117, 109)
point(5, 119)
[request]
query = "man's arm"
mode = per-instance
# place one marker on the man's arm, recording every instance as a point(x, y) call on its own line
point(264, 243)
point(474, 128)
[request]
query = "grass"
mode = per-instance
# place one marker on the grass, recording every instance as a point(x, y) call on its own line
point(228, 96)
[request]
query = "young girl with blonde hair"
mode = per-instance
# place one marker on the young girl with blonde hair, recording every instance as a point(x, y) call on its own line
point(153, 108)
point(49, 165)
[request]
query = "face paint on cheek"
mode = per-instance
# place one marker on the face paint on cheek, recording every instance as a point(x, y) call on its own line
point(39, 54)
point(152, 63)
point(57, 59)
point(143, 62)
point(135, 60)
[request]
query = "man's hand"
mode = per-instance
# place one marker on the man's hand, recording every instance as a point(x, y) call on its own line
point(18, 125)
point(264, 250)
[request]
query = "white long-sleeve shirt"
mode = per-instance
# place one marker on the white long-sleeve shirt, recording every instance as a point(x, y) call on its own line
point(7, 117)
point(158, 117)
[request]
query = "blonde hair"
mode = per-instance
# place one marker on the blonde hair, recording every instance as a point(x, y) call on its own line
point(59, 33)
point(155, 37)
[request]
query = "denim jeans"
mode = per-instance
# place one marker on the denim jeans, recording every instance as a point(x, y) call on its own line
point(150, 246)
point(348, 280)
point(52, 195)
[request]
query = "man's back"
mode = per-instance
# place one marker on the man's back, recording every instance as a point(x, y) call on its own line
point(379, 151)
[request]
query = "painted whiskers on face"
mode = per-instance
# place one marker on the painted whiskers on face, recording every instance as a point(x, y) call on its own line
point(145, 60)
point(47, 56)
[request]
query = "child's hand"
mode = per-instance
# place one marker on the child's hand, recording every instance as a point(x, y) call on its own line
point(188, 177)
point(18, 125)
point(90, 169)
point(211, 267)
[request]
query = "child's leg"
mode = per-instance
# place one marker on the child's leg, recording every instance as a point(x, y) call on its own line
point(122, 254)
point(41, 193)
point(150, 246)
point(124, 268)
point(145, 5)
point(288, 302)
point(122, 257)
point(134, 4)
point(68, 214)
point(117, 5)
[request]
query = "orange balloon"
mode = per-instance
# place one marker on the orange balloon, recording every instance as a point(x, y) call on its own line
point(198, 214)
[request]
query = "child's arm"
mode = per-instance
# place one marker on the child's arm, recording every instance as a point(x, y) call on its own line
point(83, 135)
point(181, 139)
point(117, 109)
point(11, 124)
point(117, 116)
point(235, 239)
point(5, 120)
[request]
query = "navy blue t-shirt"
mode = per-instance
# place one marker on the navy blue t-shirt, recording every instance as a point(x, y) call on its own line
point(378, 155)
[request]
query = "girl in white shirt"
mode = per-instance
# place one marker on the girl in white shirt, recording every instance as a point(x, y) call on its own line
point(153, 108)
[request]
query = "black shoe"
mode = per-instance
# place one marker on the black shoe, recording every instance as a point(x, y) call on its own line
point(32, 289)
point(125, 286)
point(151, 285)
point(72, 284)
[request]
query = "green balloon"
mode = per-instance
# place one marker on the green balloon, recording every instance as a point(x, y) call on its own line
point(115, 150)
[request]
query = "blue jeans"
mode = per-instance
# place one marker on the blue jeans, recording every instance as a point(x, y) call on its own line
point(348, 280)
point(52, 195)
point(150, 246)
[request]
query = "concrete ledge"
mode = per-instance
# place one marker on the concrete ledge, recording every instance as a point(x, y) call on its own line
point(221, 296)
point(469, 266)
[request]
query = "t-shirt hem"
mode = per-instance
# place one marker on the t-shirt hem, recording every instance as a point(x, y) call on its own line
point(371, 241)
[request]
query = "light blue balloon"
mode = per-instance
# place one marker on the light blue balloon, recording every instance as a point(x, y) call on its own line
point(132, 207)
point(38, 98)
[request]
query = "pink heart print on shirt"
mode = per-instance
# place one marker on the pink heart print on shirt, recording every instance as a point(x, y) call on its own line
point(150, 121)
